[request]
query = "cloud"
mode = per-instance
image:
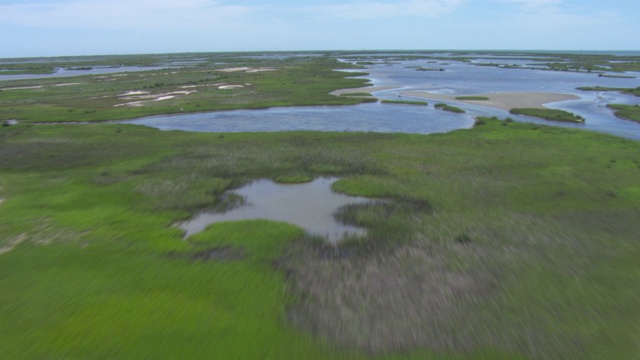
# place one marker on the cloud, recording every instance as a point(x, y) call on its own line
point(388, 9)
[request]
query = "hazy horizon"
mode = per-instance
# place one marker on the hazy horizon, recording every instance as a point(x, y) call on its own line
point(522, 51)
point(37, 28)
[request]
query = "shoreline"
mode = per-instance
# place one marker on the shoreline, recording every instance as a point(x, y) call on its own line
point(503, 101)
point(364, 89)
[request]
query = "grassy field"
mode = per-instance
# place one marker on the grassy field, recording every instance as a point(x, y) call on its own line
point(549, 114)
point(215, 83)
point(499, 242)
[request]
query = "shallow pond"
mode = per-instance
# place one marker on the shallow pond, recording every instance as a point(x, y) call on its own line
point(310, 206)
point(96, 70)
point(374, 117)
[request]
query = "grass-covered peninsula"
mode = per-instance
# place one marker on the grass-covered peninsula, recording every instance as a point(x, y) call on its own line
point(629, 112)
point(217, 82)
point(630, 91)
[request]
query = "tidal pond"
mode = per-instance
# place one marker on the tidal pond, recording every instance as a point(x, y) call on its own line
point(310, 206)
point(374, 117)
point(92, 70)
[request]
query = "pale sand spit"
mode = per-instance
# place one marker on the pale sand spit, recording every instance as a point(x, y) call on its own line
point(504, 101)
point(130, 93)
point(228, 87)
point(143, 97)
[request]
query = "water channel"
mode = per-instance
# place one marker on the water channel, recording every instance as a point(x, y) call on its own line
point(67, 72)
point(458, 78)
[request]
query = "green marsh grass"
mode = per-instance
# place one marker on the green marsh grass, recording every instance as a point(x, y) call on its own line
point(629, 112)
point(445, 107)
point(516, 242)
point(300, 81)
point(631, 91)
point(405, 102)
point(549, 114)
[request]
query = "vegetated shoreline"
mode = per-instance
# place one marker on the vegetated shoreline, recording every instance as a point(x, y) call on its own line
point(626, 112)
point(503, 101)
point(364, 89)
point(549, 114)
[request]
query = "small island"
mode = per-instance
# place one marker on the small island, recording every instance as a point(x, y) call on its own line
point(549, 114)
point(445, 107)
point(405, 102)
point(630, 91)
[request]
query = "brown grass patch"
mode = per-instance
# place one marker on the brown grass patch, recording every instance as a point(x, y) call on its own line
point(391, 300)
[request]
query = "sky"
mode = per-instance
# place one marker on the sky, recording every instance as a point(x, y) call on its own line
point(100, 27)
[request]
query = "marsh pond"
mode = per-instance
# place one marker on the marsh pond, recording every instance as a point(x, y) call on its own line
point(311, 206)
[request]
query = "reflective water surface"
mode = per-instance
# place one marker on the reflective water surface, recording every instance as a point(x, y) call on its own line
point(458, 78)
point(97, 70)
point(310, 206)
point(374, 117)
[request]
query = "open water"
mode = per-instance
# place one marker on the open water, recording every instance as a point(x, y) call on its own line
point(459, 78)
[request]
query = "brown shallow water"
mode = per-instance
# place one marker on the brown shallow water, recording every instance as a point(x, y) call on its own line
point(310, 206)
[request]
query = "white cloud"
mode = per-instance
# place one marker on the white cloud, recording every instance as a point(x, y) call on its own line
point(387, 9)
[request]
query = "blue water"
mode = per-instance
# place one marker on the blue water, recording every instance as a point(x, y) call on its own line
point(62, 72)
point(459, 78)
point(375, 117)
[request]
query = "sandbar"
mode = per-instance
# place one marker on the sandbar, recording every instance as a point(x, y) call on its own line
point(504, 101)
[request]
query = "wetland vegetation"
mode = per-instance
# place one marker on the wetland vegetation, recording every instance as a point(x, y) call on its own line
point(632, 91)
point(472, 98)
point(217, 84)
point(505, 241)
point(629, 112)
point(549, 114)
point(449, 108)
point(405, 102)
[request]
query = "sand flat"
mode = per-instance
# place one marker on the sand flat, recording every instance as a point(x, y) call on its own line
point(504, 101)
